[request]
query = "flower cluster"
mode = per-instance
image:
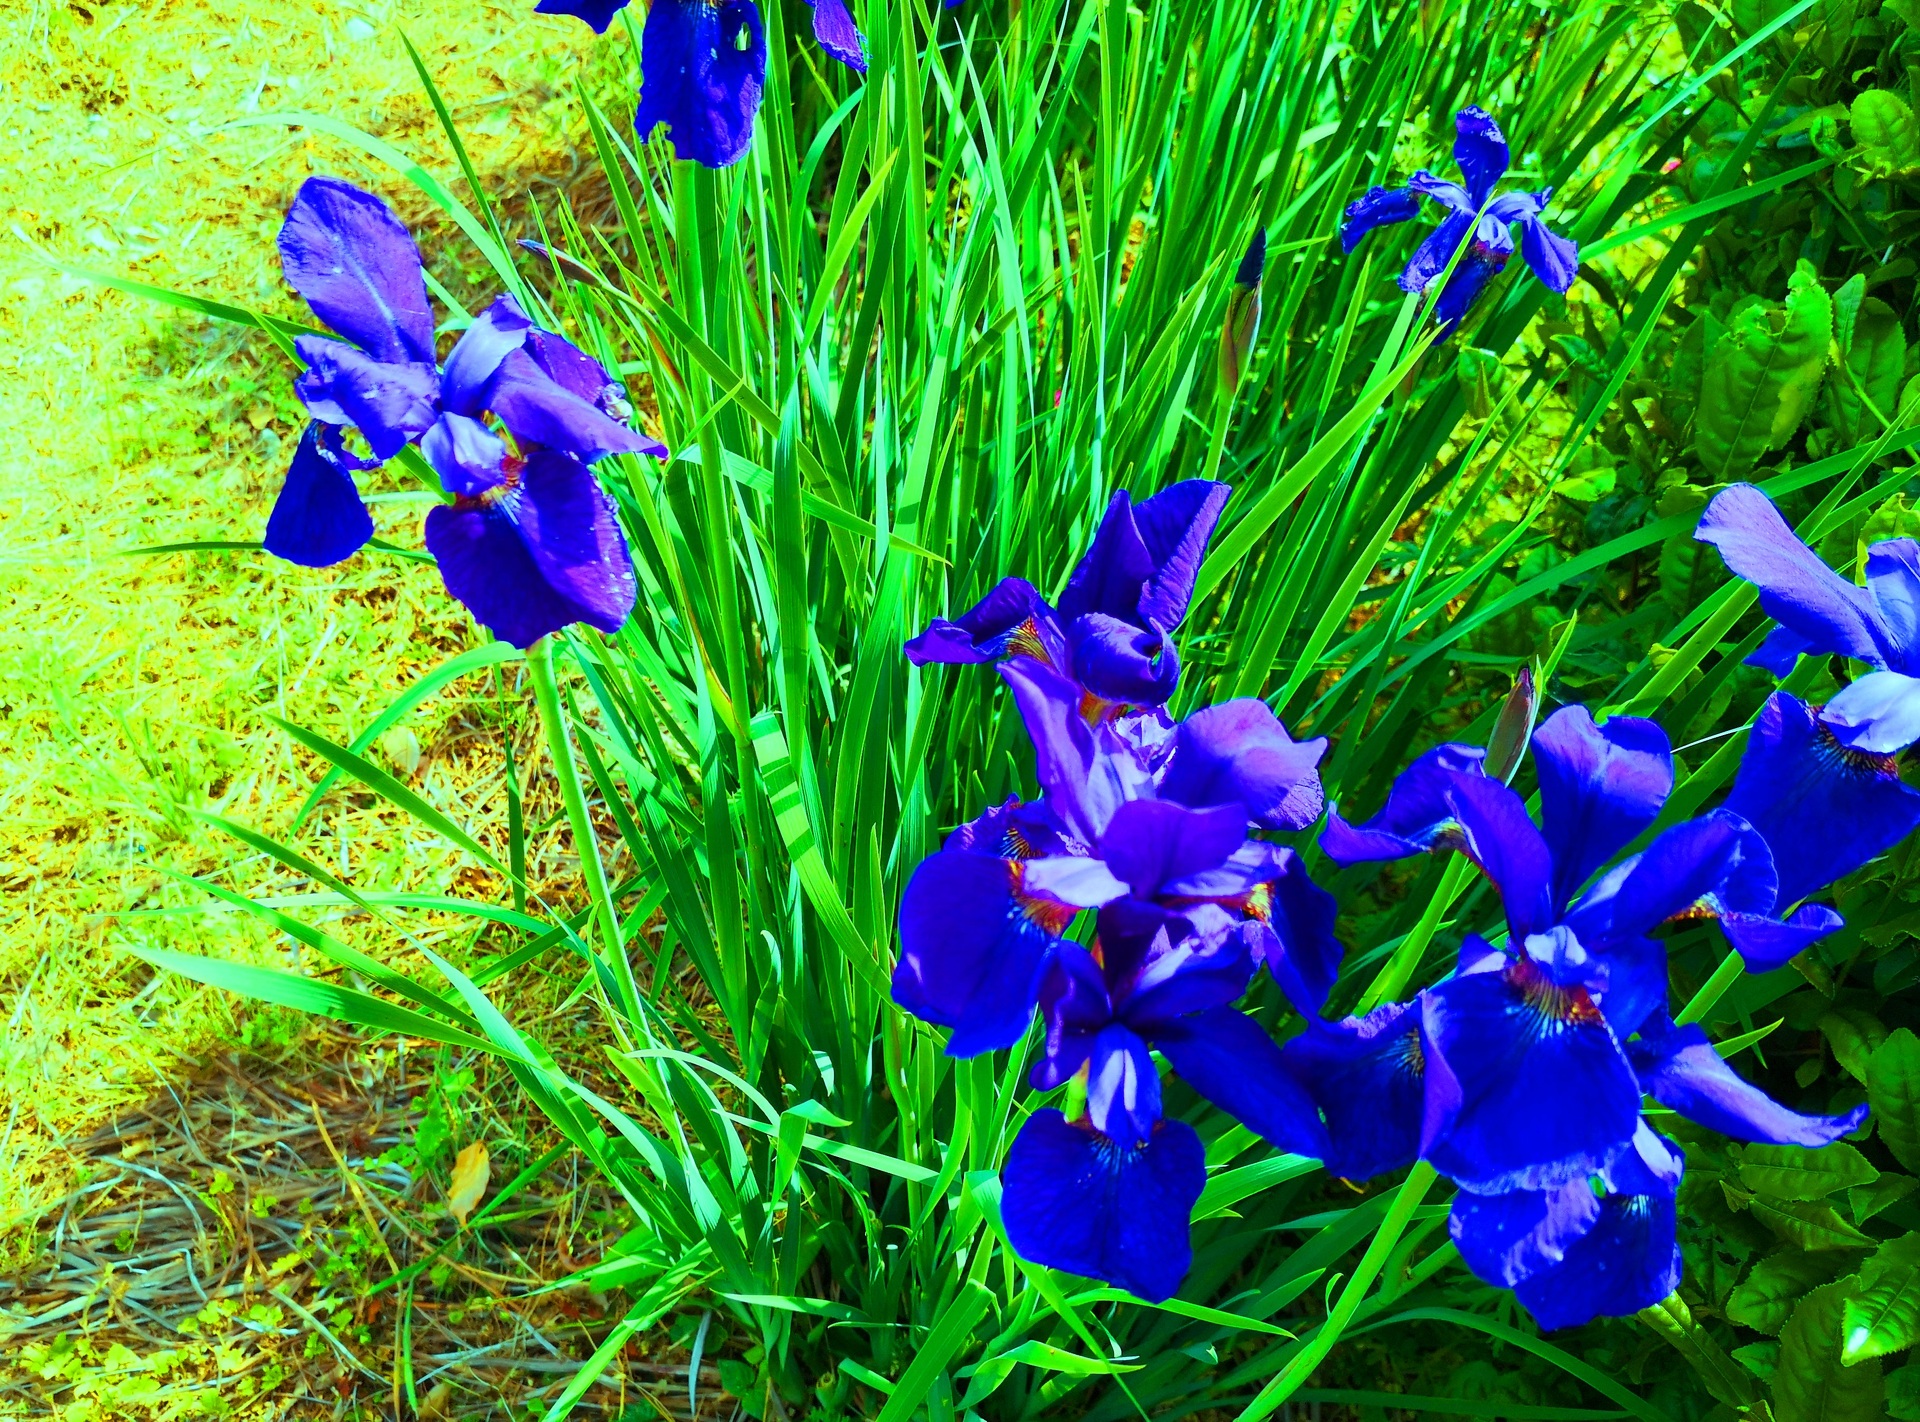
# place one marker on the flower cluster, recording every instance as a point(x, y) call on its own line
point(1520, 1077)
point(1474, 214)
point(703, 65)
point(510, 424)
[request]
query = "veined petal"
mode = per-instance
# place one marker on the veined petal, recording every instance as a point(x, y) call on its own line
point(1119, 661)
point(1765, 943)
point(1377, 207)
point(1796, 589)
point(1518, 206)
point(1498, 836)
point(702, 69)
point(495, 334)
point(1715, 860)
point(1463, 288)
point(1678, 1067)
point(1369, 1077)
point(319, 518)
point(1303, 953)
point(539, 410)
point(1238, 751)
point(1510, 1237)
point(1599, 787)
point(390, 404)
point(1431, 257)
point(470, 459)
point(1416, 816)
point(1071, 879)
point(1778, 651)
point(531, 558)
point(1451, 196)
point(597, 13)
point(1226, 1057)
point(359, 269)
point(1481, 151)
point(1879, 713)
point(836, 33)
point(1074, 1009)
point(1628, 1259)
point(1087, 770)
point(1011, 620)
point(1893, 580)
point(1175, 525)
point(1011, 831)
point(1554, 259)
point(1546, 1095)
point(1076, 1201)
point(1823, 810)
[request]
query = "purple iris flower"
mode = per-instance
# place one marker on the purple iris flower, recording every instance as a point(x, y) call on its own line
point(531, 542)
point(1369, 1077)
point(1113, 631)
point(1110, 1195)
point(1821, 613)
point(1472, 211)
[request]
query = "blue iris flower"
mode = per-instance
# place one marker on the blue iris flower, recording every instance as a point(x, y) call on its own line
point(1821, 613)
point(1110, 1195)
point(703, 66)
point(510, 425)
point(1113, 631)
point(1474, 215)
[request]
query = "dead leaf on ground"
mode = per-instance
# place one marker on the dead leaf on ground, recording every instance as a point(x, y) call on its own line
point(471, 1169)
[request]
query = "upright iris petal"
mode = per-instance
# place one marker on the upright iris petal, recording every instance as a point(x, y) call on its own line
point(535, 550)
point(357, 266)
point(1599, 787)
point(1480, 148)
point(702, 68)
point(1239, 751)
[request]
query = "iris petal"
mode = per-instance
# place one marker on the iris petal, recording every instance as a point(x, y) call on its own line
point(1507, 1238)
point(1431, 257)
point(1502, 840)
point(1480, 148)
point(1796, 589)
point(1117, 660)
point(1599, 787)
point(1077, 1201)
point(1878, 713)
point(1554, 259)
point(1377, 207)
point(702, 69)
point(1546, 1095)
point(1012, 619)
point(1149, 843)
point(1678, 1067)
point(1229, 1059)
point(597, 13)
point(1893, 578)
point(836, 33)
point(319, 518)
point(390, 404)
point(1628, 1260)
point(1123, 1089)
point(1824, 810)
point(1416, 815)
point(359, 269)
point(1369, 1078)
point(1238, 750)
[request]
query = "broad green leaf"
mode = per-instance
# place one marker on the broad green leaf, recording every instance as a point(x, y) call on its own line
point(1853, 1036)
point(1761, 377)
point(1893, 1092)
point(1866, 1201)
point(1796, 1173)
point(1765, 1298)
point(1903, 1393)
point(1885, 128)
point(1882, 1312)
point(1810, 1224)
point(1810, 1383)
point(1724, 1378)
point(1864, 390)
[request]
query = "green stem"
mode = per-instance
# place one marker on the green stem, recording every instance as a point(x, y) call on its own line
point(1300, 1367)
point(1392, 979)
point(1216, 446)
point(1712, 990)
point(553, 720)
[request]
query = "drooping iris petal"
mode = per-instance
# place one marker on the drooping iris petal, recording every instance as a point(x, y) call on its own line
point(1879, 713)
point(1507, 1238)
point(1823, 810)
point(1481, 151)
point(1599, 787)
point(1796, 589)
point(1689, 863)
point(1546, 1095)
point(1088, 771)
point(1377, 207)
point(1229, 1059)
point(597, 13)
point(1123, 1089)
point(536, 554)
point(358, 268)
point(1011, 620)
point(1115, 659)
point(319, 518)
point(702, 69)
point(1075, 1008)
point(1431, 257)
point(1498, 836)
point(389, 403)
point(973, 949)
point(1893, 578)
point(1779, 650)
point(834, 29)
point(1628, 1260)
point(1678, 1067)
point(1076, 1201)
point(1151, 843)
point(1239, 751)
point(1765, 943)
point(539, 411)
point(1416, 816)
point(1553, 258)
point(1369, 1076)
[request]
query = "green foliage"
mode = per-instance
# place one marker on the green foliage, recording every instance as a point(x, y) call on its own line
point(1762, 373)
point(1811, 1383)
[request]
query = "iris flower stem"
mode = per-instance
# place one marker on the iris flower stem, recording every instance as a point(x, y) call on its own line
point(1300, 1367)
point(1392, 979)
point(553, 720)
point(1216, 447)
point(1712, 990)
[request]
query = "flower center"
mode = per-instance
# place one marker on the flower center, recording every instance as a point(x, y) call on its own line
point(1861, 765)
point(1567, 1006)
